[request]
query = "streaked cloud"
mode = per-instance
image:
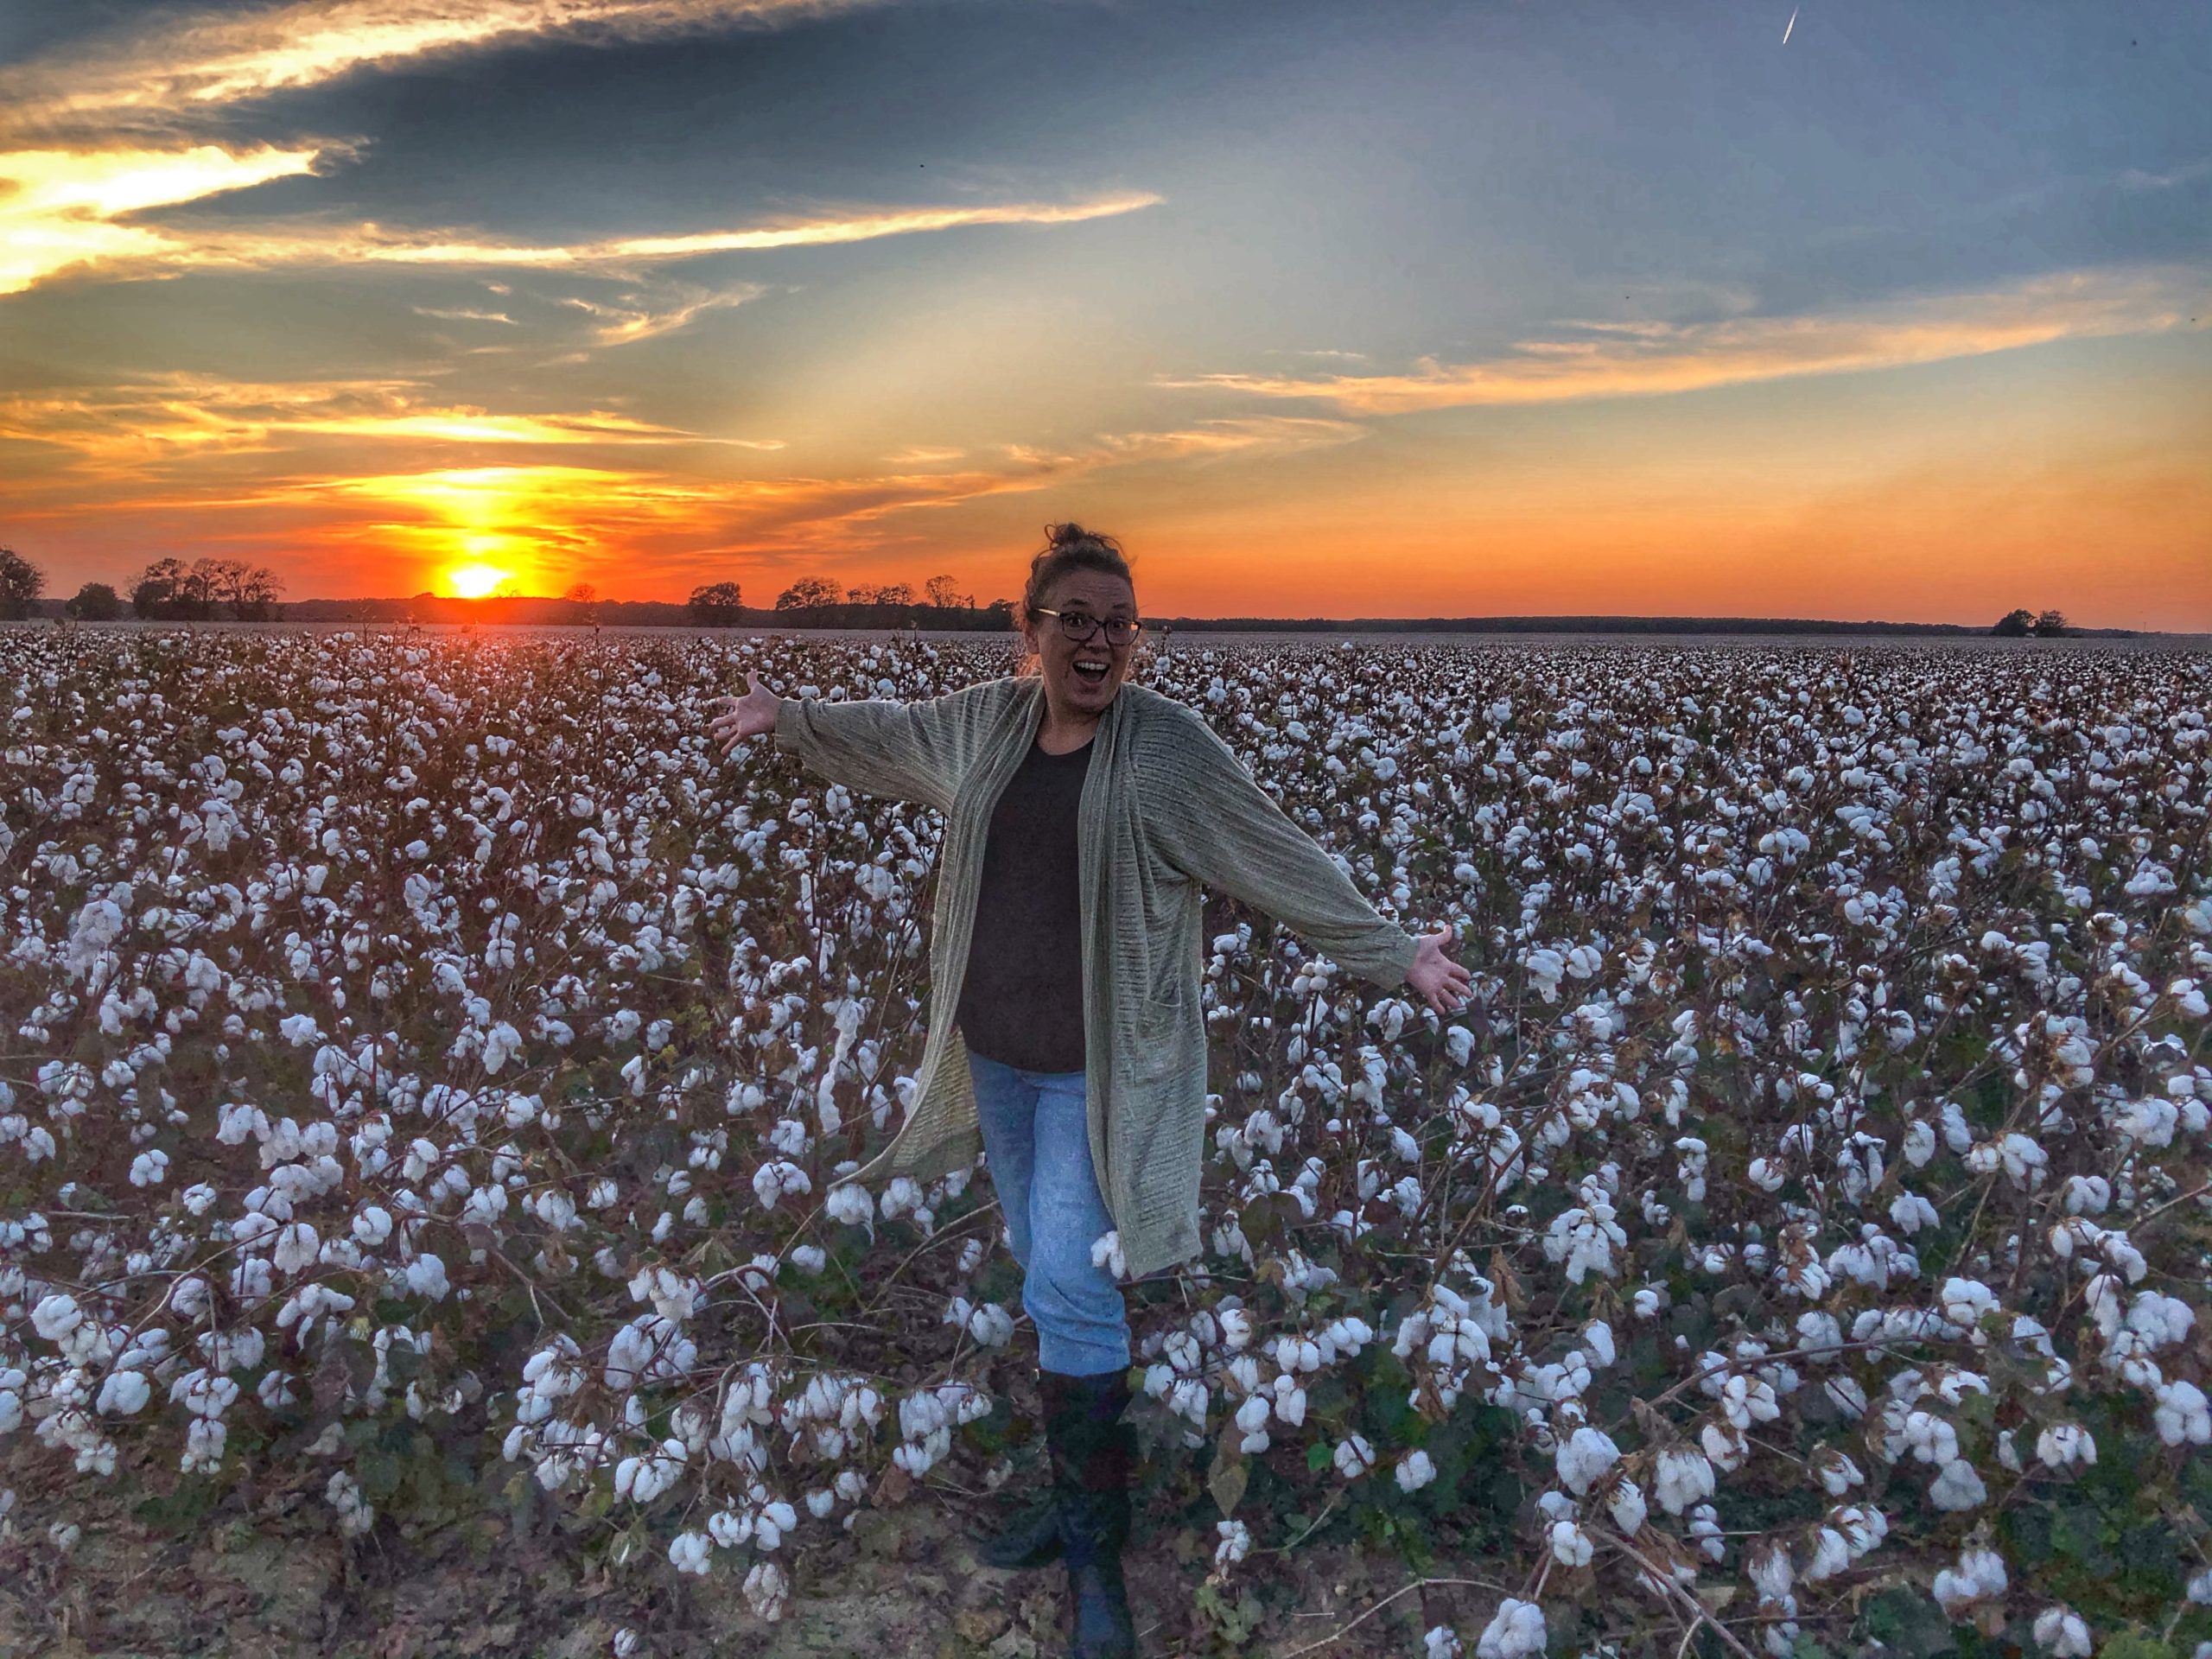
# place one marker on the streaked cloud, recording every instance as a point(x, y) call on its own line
point(62, 214)
point(212, 58)
point(1649, 359)
point(460, 313)
point(629, 318)
point(167, 416)
point(62, 211)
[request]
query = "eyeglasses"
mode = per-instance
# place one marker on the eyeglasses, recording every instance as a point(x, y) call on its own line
point(1079, 625)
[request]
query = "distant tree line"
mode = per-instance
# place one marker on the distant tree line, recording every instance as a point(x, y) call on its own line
point(722, 604)
point(2020, 624)
point(208, 589)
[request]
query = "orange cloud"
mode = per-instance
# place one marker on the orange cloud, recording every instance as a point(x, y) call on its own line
point(60, 213)
point(58, 209)
point(212, 58)
point(169, 414)
point(1633, 359)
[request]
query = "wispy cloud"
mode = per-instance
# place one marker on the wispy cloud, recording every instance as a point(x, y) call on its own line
point(164, 417)
point(1629, 359)
point(67, 213)
point(631, 317)
point(66, 210)
point(2135, 179)
point(212, 58)
point(461, 314)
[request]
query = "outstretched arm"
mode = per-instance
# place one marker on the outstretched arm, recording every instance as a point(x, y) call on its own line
point(1211, 821)
point(902, 750)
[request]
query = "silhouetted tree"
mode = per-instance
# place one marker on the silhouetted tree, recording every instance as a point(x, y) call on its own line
point(581, 602)
point(1001, 612)
point(810, 590)
point(943, 592)
point(20, 584)
point(2015, 625)
point(96, 602)
point(156, 589)
point(257, 601)
point(717, 605)
point(2052, 625)
point(895, 593)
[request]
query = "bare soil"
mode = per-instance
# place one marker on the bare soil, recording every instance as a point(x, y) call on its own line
point(270, 1578)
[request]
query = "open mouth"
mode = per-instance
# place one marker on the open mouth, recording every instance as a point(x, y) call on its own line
point(1091, 673)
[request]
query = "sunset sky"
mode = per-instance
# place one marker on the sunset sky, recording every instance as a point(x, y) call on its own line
point(1367, 309)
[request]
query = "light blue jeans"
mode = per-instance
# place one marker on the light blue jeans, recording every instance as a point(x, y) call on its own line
point(1037, 1146)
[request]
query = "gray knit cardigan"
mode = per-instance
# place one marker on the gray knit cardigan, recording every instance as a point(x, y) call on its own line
point(1166, 807)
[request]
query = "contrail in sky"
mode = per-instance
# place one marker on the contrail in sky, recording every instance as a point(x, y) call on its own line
point(1786, 27)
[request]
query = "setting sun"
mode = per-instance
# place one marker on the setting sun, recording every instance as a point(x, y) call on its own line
point(476, 580)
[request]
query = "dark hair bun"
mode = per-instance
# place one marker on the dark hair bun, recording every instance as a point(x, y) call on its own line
point(1070, 546)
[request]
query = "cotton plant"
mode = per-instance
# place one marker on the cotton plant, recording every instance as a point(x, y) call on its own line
point(1832, 1082)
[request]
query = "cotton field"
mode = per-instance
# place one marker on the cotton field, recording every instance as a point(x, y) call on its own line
point(1800, 1241)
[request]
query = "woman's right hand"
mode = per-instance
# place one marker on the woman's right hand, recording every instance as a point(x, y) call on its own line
point(752, 714)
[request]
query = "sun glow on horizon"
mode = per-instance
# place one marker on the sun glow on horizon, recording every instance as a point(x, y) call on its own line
point(476, 580)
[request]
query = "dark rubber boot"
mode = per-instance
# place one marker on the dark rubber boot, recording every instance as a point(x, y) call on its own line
point(1094, 1453)
point(1031, 1539)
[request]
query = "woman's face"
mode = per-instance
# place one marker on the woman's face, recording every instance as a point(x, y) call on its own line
point(1082, 676)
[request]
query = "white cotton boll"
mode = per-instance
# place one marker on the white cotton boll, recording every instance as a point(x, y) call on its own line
point(1252, 1416)
point(295, 1247)
point(1517, 1632)
point(1838, 1473)
point(1415, 1470)
point(2063, 1445)
point(1771, 1573)
point(1571, 1546)
point(850, 1205)
point(1583, 1457)
point(1236, 1544)
point(688, 1551)
point(1931, 1438)
point(426, 1277)
point(777, 1180)
point(1964, 1302)
point(1725, 1448)
point(123, 1394)
point(149, 1168)
point(2183, 1413)
point(1354, 1456)
point(1956, 1486)
point(766, 1591)
point(1979, 1576)
point(57, 1316)
point(1598, 1336)
point(1441, 1641)
point(1831, 1555)
point(1683, 1477)
point(1235, 1328)
point(2162, 1321)
point(372, 1226)
point(1909, 1212)
point(2061, 1631)
point(1626, 1505)
point(1106, 1252)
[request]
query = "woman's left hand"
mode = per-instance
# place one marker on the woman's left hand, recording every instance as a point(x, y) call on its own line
point(1441, 982)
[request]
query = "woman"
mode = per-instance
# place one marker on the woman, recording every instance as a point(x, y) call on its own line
point(1082, 817)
